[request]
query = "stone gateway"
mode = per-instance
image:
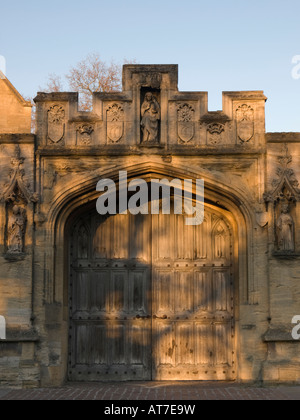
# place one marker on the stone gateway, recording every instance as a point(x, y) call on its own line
point(119, 297)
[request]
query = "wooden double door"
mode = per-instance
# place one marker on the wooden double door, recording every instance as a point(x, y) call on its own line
point(151, 298)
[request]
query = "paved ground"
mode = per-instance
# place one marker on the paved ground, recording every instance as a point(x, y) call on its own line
point(158, 391)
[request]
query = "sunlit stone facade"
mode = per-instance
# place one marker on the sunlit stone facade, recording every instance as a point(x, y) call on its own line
point(93, 298)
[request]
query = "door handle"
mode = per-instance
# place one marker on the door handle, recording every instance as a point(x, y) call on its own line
point(160, 317)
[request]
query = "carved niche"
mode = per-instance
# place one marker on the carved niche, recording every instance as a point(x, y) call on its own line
point(17, 194)
point(185, 123)
point(56, 124)
point(84, 134)
point(214, 134)
point(284, 196)
point(245, 123)
point(115, 123)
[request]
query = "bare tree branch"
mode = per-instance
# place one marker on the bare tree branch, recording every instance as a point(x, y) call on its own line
point(89, 75)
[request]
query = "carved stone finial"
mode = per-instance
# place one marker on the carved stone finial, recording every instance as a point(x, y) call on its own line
point(17, 188)
point(286, 184)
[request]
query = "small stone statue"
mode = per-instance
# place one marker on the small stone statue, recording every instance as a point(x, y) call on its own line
point(16, 230)
point(285, 230)
point(150, 118)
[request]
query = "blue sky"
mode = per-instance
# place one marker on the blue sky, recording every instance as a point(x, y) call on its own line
point(219, 45)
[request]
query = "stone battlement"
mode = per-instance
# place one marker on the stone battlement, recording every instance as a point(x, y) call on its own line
point(183, 121)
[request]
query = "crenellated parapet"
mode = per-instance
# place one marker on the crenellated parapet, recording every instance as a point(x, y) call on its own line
point(151, 112)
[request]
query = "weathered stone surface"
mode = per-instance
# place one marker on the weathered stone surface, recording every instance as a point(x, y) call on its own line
point(13, 105)
point(250, 176)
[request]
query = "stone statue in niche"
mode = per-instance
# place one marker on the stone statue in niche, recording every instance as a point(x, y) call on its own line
point(16, 230)
point(285, 230)
point(150, 112)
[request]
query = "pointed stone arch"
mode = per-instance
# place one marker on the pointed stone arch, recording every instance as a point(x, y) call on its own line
point(232, 205)
point(232, 202)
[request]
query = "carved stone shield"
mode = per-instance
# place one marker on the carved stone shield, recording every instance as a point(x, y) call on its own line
point(245, 130)
point(56, 123)
point(262, 219)
point(115, 130)
point(56, 132)
point(186, 130)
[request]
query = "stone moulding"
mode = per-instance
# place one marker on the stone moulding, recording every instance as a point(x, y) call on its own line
point(17, 139)
point(19, 336)
point(286, 255)
point(279, 333)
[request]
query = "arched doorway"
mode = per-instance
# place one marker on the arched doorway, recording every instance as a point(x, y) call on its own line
point(151, 298)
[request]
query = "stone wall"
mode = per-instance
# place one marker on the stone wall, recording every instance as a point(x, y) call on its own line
point(15, 112)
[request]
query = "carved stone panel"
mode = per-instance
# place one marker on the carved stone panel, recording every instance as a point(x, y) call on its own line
point(84, 134)
point(115, 123)
point(215, 134)
point(186, 124)
point(151, 79)
point(56, 124)
point(245, 123)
